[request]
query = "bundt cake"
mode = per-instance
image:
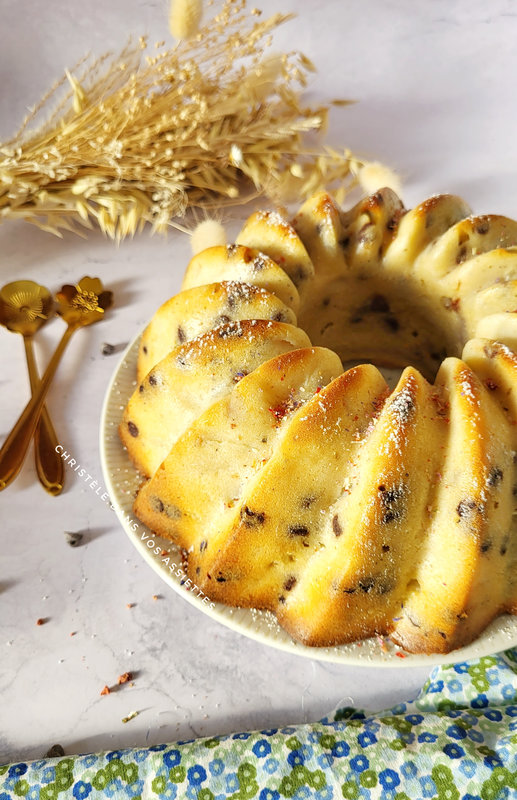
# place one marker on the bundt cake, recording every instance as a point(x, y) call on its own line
point(291, 485)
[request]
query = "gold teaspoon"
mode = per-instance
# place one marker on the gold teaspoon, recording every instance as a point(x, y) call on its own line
point(24, 307)
point(79, 305)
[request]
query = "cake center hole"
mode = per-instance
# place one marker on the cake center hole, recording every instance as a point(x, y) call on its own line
point(389, 324)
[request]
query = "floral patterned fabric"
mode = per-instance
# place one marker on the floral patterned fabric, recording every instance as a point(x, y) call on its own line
point(456, 741)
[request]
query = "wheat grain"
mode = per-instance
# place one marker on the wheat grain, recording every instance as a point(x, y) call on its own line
point(185, 18)
point(143, 136)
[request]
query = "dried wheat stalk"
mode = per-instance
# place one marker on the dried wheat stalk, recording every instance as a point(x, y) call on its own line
point(140, 138)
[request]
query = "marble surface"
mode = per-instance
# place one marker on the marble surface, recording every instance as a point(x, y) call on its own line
point(435, 83)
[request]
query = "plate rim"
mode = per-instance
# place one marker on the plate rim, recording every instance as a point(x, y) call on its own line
point(339, 654)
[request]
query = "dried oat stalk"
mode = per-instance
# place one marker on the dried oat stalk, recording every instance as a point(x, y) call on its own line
point(140, 138)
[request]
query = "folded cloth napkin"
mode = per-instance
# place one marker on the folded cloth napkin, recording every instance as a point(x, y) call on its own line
point(456, 741)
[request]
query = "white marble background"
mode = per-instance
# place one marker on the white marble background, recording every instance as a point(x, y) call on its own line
point(436, 85)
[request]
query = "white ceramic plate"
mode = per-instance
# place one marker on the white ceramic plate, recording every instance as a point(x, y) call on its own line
point(122, 481)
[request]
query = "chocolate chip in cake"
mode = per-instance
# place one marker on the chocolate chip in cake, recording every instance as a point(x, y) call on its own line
point(482, 227)
point(181, 335)
point(141, 388)
point(392, 323)
point(461, 255)
point(486, 546)
point(495, 476)
point(231, 329)
point(367, 584)
point(298, 530)
point(220, 579)
point(392, 502)
point(290, 583)
point(252, 518)
point(157, 504)
point(153, 381)
point(389, 496)
point(144, 349)
point(336, 525)
point(389, 516)
point(278, 317)
point(203, 545)
point(258, 263)
point(325, 302)
point(170, 510)
point(133, 430)
point(298, 275)
point(222, 319)
point(379, 304)
point(467, 508)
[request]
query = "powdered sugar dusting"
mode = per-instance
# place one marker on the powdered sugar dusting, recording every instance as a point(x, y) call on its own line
point(275, 219)
point(211, 342)
point(399, 411)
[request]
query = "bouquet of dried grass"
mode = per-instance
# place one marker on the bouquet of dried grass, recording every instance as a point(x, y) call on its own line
point(139, 138)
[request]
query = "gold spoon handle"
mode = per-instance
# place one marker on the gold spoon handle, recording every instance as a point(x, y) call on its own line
point(49, 464)
point(16, 445)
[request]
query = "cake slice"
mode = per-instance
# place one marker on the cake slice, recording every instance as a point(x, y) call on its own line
point(196, 311)
point(460, 580)
point(195, 493)
point(283, 510)
point(238, 263)
point(356, 582)
point(270, 233)
point(420, 227)
point(192, 377)
point(469, 238)
point(495, 364)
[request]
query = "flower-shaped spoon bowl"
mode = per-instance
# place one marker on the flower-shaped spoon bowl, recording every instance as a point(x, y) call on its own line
point(24, 307)
point(81, 304)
